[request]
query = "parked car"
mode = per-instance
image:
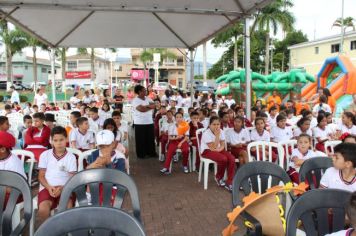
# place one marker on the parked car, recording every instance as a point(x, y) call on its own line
point(23, 87)
point(204, 89)
point(103, 86)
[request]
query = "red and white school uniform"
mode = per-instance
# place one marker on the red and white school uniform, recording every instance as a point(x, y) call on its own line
point(333, 178)
point(293, 171)
point(347, 232)
point(224, 159)
point(297, 131)
point(272, 121)
point(82, 141)
point(278, 134)
point(194, 141)
point(233, 137)
point(173, 146)
point(321, 134)
point(350, 130)
point(255, 136)
point(58, 171)
point(13, 163)
point(205, 122)
point(227, 126)
point(164, 136)
point(37, 141)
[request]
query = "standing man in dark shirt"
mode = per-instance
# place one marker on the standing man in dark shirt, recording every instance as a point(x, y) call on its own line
point(118, 100)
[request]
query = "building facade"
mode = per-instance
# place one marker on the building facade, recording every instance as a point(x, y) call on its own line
point(22, 68)
point(311, 55)
point(78, 70)
point(172, 71)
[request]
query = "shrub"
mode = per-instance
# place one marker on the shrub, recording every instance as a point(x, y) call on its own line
point(23, 98)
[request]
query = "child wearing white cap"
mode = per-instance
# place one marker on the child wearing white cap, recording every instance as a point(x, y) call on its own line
point(106, 156)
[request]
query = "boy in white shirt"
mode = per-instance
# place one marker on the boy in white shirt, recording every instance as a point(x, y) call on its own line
point(163, 136)
point(82, 138)
point(343, 174)
point(122, 127)
point(96, 122)
point(56, 167)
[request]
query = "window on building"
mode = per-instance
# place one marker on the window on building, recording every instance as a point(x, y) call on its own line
point(180, 72)
point(72, 65)
point(26, 67)
point(316, 50)
point(335, 48)
point(44, 70)
point(353, 45)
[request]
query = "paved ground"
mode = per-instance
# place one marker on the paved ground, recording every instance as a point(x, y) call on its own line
point(177, 204)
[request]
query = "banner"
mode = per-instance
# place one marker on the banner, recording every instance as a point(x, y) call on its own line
point(139, 74)
point(78, 75)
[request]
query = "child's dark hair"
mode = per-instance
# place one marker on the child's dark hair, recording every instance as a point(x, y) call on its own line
point(261, 114)
point(351, 209)
point(178, 113)
point(26, 117)
point(351, 116)
point(241, 119)
point(213, 118)
point(272, 108)
point(320, 117)
point(94, 109)
point(116, 113)
point(8, 107)
point(58, 130)
point(3, 119)
point(280, 118)
point(258, 119)
point(327, 114)
point(306, 113)
point(347, 150)
point(194, 113)
point(108, 122)
point(169, 111)
point(76, 114)
point(205, 112)
point(222, 114)
point(305, 136)
point(181, 110)
point(289, 111)
point(39, 115)
point(302, 121)
point(35, 106)
point(323, 99)
point(80, 121)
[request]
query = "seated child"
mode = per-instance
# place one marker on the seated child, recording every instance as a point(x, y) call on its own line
point(224, 120)
point(322, 133)
point(56, 167)
point(109, 124)
point(95, 121)
point(194, 125)
point(175, 142)
point(299, 155)
point(303, 127)
point(122, 128)
point(4, 124)
point(348, 123)
point(163, 138)
point(37, 136)
point(27, 122)
point(49, 120)
point(343, 174)
point(281, 132)
point(82, 138)
point(74, 115)
point(237, 140)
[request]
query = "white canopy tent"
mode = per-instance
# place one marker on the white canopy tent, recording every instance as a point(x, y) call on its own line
point(127, 23)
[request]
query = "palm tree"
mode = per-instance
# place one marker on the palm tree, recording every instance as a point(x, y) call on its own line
point(34, 43)
point(225, 38)
point(270, 19)
point(345, 23)
point(62, 54)
point(14, 41)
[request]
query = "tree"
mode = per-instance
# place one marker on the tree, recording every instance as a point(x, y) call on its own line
point(225, 39)
point(62, 54)
point(270, 18)
point(14, 41)
point(34, 43)
point(345, 23)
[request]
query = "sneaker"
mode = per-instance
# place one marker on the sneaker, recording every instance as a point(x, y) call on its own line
point(185, 169)
point(229, 187)
point(165, 171)
point(220, 182)
point(175, 158)
point(162, 159)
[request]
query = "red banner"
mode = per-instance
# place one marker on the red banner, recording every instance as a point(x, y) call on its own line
point(78, 75)
point(139, 74)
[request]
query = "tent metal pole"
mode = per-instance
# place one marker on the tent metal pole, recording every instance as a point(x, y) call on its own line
point(9, 13)
point(239, 5)
point(191, 75)
point(247, 67)
point(53, 58)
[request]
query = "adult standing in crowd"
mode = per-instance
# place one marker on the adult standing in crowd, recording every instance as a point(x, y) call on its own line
point(15, 97)
point(118, 100)
point(143, 120)
point(41, 97)
point(330, 99)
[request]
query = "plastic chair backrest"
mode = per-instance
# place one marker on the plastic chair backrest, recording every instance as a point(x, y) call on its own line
point(91, 179)
point(261, 147)
point(313, 209)
point(23, 154)
point(83, 157)
point(257, 177)
point(313, 169)
point(330, 145)
point(19, 186)
point(98, 220)
point(198, 135)
point(288, 145)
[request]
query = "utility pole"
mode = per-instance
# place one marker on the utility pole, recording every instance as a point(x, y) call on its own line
point(342, 28)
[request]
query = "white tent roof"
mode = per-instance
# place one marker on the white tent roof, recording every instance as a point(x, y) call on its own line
point(126, 23)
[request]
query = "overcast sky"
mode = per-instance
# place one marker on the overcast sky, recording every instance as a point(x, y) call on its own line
point(313, 17)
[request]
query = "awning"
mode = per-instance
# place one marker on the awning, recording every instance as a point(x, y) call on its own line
point(126, 23)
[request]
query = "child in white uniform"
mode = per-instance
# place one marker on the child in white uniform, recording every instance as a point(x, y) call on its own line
point(82, 138)
point(281, 132)
point(322, 133)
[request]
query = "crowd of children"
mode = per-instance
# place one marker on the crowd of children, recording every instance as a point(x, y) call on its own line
point(226, 132)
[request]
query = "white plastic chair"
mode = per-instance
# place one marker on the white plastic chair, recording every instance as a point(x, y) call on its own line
point(288, 144)
point(330, 145)
point(263, 145)
point(83, 157)
point(204, 161)
point(226, 134)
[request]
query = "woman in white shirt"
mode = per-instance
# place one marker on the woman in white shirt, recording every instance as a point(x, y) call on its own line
point(212, 146)
point(143, 120)
point(40, 98)
point(74, 100)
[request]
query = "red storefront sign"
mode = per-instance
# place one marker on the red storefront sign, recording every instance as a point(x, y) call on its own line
point(139, 74)
point(78, 75)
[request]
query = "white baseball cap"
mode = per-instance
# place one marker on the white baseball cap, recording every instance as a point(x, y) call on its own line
point(104, 137)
